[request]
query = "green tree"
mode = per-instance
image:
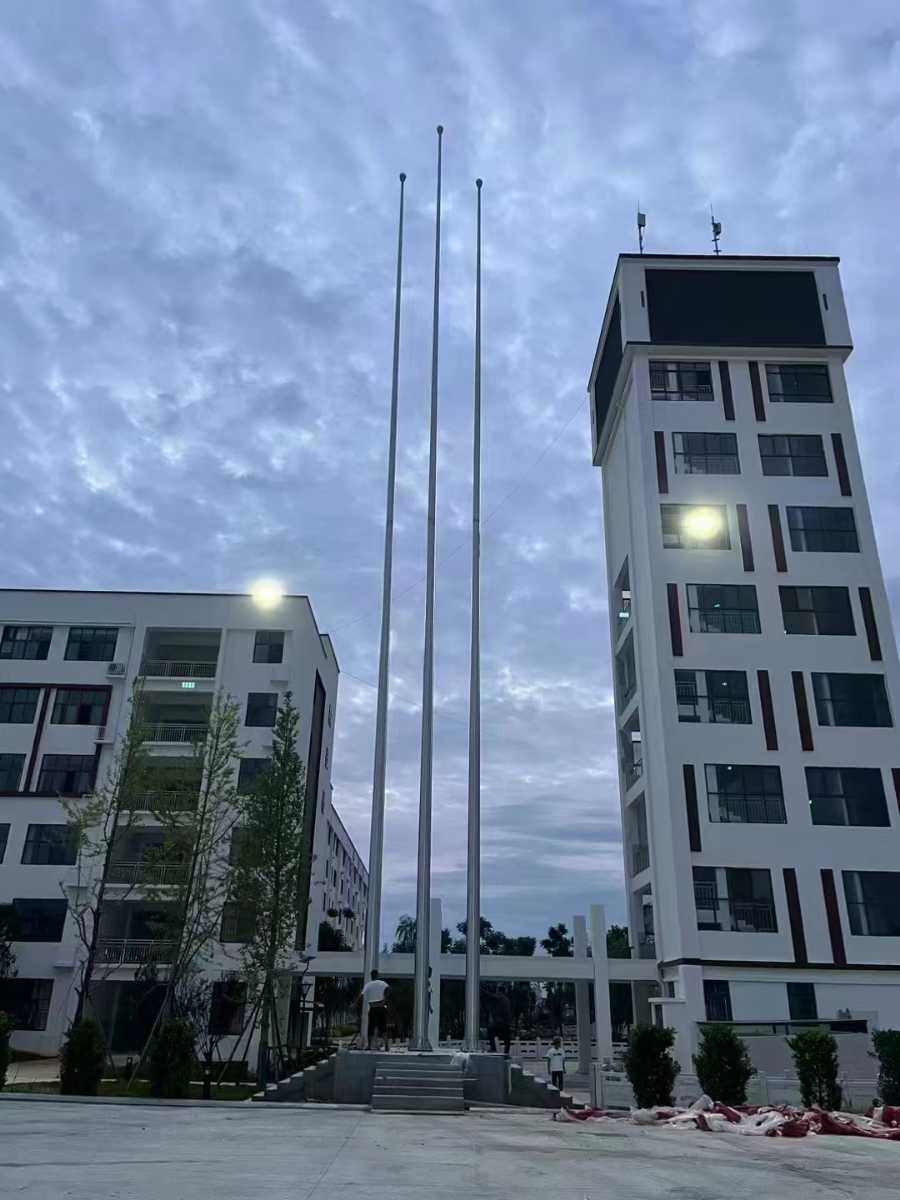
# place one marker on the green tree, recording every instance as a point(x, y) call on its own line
point(887, 1048)
point(617, 943)
point(6, 1028)
point(7, 954)
point(816, 1063)
point(83, 1059)
point(172, 1059)
point(649, 1064)
point(267, 879)
point(723, 1065)
point(560, 996)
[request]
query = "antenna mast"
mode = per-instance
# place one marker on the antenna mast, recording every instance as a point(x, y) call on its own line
point(716, 229)
point(641, 225)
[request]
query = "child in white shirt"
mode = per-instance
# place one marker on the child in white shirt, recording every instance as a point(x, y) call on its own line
point(556, 1063)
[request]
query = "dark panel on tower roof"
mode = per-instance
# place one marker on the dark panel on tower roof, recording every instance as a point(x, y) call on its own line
point(608, 366)
point(734, 308)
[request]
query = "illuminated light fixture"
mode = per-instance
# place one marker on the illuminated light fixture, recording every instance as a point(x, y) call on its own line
point(188, 683)
point(267, 593)
point(702, 524)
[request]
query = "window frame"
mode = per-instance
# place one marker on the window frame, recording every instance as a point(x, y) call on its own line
point(791, 457)
point(699, 613)
point(799, 371)
point(54, 850)
point(262, 641)
point(842, 798)
point(16, 700)
point(254, 706)
point(708, 701)
point(62, 707)
point(676, 512)
point(762, 798)
point(242, 786)
point(857, 908)
point(38, 1005)
point(10, 778)
point(32, 637)
point(715, 991)
point(4, 839)
point(54, 791)
point(684, 459)
point(800, 536)
point(826, 702)
point(103, 638)
point(678, 370)
point(816, 615)
point(50, 907)
point(799, 995)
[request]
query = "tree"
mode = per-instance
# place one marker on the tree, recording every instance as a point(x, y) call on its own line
point(723, 1065)
point(267, 878)
point(560, 996)
point(649, 1064)
point(617, 943)
point(83, 1059)
point(816, 1064)
point(887, 1047)
point(7, 954)
point(6, 1027)
point(405, 935)
point(171, 1059)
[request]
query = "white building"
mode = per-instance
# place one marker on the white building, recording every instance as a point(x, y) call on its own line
point(68, 661)
point(756, 673)
point(346, 884)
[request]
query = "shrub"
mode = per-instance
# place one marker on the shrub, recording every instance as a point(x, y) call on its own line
point(83, 1060)
point(816, 1064)
point(723, 1065)
point(6, 1027)
point(171, 1059)
point(649, 1065)
point(887, 1047)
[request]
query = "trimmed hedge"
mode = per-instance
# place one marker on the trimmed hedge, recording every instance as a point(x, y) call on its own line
point(83, 1060)
point(649, 1064)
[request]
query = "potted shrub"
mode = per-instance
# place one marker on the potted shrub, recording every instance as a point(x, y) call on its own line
point(816, 1064)
point(649, 1064)
point(723, 1065)
point(887, 1050)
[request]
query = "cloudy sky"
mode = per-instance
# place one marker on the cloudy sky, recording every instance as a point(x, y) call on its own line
point(197, 224)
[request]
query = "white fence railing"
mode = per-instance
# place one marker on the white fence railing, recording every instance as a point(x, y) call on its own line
point(611, 1089)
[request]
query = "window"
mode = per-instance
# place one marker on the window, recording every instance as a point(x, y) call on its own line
point(680, 380)
point(38, 920)
point(717, 996)
point(745, 794)
point(822, 529)
point(873, 902)
point(241, 848)
point(802, 1001)
point(27, 1001)
point(79, 706)
point(792, 454)
point(50, 846)
point(857, 700)
point(734, 899)
point(268, 647)
point(227, 1007)
point(807, 383)
point(716, 697)
point(18, 705)
point(824, 610)
point(261, 709)
point(26, 641)
point(622, 598)
point(706, 454)
point(695, 527)
point(4, 837)
point(238, 924)
point(249, 771)
point(722, 608)
point(11, 771)
point(626, 674)
point(92, 643)
point(66, 774)
point(846, 796)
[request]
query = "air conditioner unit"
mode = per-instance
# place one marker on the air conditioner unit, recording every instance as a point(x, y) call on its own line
point(115, 669)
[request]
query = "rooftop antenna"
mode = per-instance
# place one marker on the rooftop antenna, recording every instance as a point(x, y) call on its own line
point(716, 229)
point(641, 226)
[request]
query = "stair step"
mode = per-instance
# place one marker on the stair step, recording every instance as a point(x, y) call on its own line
point(398, 1102)
point(387, 1087)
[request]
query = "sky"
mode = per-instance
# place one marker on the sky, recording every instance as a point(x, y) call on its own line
point(198, 208)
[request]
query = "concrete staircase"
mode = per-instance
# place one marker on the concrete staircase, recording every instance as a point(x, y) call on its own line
point(417, 1083)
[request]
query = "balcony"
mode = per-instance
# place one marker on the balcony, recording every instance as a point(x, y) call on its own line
point(646, 946)
point(695, 707)
point(747, 810)
point(132, 873)
point(163, 801)
point(133, 952)
point(640, 859)
point(161, 668)
point(180, 653)
point(744, 916)
point(170, 733)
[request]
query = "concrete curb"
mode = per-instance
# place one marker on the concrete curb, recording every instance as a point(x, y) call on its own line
point(147, 1102)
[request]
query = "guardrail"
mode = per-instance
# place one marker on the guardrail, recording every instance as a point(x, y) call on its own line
point(160, 668)
point(130, 952)
point(176, 733)
point(146, 872)
point(162, 801)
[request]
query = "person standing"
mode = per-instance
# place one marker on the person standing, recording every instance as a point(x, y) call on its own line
point(501, 1022)
point(556, 1063)
point(375, 995)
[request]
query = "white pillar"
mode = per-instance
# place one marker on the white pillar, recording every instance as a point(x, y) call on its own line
point(434, 962)
point(582, 999)
point(602, 1015)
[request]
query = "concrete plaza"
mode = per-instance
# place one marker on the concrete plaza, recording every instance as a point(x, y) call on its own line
point(58, 1151)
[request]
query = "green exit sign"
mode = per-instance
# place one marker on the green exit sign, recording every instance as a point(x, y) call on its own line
point(188, 683)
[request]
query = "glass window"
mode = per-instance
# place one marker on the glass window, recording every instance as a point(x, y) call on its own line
point(745, 794)
point(680, 380)
point(846, 796)
point(38, 920)
point(792, 454)
point(722, 608)
point(26, 641)
point(227, 1007)
point(92, 643)
point(249, 771)
point(49, 846)
point(11, 771)
point(261, 709)
point(238, 924)
point(18, 705)
point(706, 454)
point(79, 706)
point(27, 1001)
point(626, 674)
point(717, 996)
point(621, 600)
point(822, 529)
point(4, 837)
point(695, 527)
point(824, 610)
point(873, 902)
point(804, 382)
point(802, 1001)
point(269, 646)
point(857, 700)
point(735, 899)
point(66, 774)
point(714, 697)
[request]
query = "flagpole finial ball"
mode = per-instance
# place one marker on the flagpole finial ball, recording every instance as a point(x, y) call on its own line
point(403, 177)
point(440, 129)
point(478, 182)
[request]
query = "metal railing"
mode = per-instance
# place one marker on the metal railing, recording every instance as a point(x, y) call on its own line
point(131, 952)
point(695, 706)
point(633, 771)
point(724, 620)
point(646, 946)
point(163, 801)
point(162, 668)
point(640, 859)
point(749, 810)
point(146, 872)
point(166, 732)
point(757, 915)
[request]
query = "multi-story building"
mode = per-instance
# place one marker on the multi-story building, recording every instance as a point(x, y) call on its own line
point(68, 663)
point(756, 675)
point(346, 884)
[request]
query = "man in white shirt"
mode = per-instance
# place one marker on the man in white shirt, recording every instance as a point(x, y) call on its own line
point(374, 994)
point(556, 1063)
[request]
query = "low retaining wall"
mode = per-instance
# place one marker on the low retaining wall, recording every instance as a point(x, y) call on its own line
point(611, 1089)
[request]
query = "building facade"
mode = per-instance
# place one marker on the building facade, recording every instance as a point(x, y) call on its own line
point(345, 884)
point(68, 664)
point(756, 677)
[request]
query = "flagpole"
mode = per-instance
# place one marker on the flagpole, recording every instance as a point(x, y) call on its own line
point(473, 897)
point(376, 834)
point(423, 873)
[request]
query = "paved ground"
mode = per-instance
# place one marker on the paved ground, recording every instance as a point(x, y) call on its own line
point(93, 1152)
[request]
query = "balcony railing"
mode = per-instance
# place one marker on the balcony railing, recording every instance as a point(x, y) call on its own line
point(694, 706)
point(633, 772)
point(161, 668)
point(640, 859)
point(749, 810)
point(757, 916)
point(168, 732)
point(163, 801)
point(647, 946)
point(131, 952)
point(146, 872)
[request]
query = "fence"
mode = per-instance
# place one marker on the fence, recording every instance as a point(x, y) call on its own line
point(611, 1089)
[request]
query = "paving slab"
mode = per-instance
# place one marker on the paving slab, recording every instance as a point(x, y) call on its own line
point(54, 1151)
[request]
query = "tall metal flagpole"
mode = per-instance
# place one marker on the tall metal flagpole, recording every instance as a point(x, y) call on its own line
point(376, 835)
point(423, 875)
point(473, 898)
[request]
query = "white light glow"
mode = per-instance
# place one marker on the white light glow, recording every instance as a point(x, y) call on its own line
point(703, 524)
point(267, 593)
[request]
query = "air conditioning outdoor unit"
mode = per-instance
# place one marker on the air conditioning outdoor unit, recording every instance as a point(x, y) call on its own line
point(115, 669)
